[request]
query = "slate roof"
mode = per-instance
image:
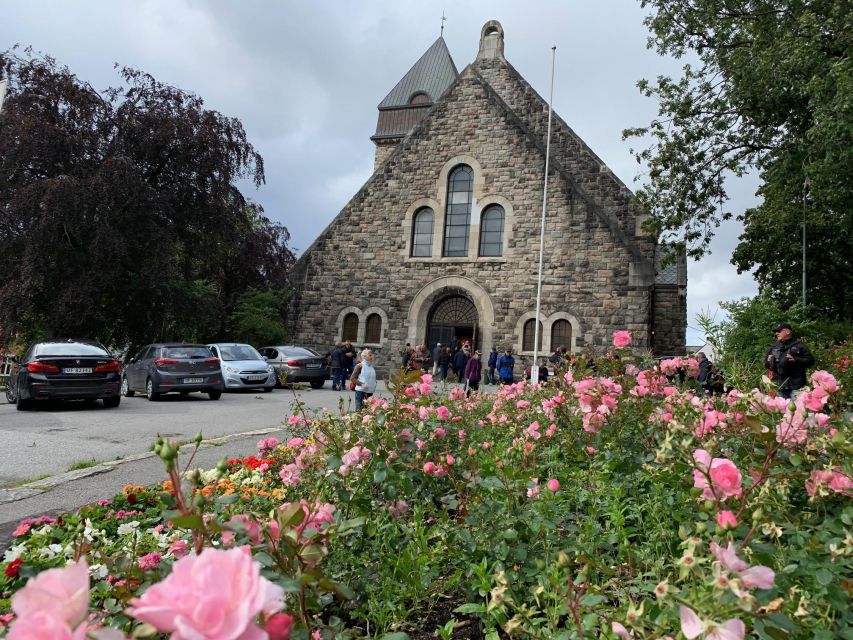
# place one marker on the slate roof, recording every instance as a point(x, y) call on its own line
point(432, 74)
point(673, 273)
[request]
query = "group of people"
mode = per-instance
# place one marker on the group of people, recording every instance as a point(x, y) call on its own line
point(461, 361)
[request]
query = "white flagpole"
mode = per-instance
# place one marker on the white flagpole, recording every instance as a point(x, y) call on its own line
point(534, 367)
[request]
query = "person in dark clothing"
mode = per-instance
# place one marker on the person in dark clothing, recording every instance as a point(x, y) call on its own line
point(787, 361)
point(460, 359)
point(473, 371)
point(335, 356)
point(406, 355)
point(506, 366)
point(443, 363)
point(491, 377)
point(436, 356)
point(543, 372)
point(348, 358)
point(704, 367)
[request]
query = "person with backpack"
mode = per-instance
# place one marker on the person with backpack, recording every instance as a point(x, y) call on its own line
point(363, 379)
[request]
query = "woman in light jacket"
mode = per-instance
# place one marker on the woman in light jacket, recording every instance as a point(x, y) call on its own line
point(363, 378)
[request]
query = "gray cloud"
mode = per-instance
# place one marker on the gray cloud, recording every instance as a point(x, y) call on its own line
point(305, 79)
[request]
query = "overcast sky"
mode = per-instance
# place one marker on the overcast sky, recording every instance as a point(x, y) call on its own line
point(305, 79)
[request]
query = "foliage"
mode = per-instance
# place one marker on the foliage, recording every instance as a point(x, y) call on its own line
point(626, 506)
point(121, 220)
point(258, 317)
point(767, 89)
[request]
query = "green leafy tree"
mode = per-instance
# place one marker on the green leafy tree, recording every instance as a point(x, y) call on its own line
point(259, 317)
point(120, 219)
point(768, 90)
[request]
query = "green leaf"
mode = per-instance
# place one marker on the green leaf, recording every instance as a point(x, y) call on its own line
point(380, 474)
point(592, 599)
point(189, 521)
point(399, 635)
point(824, 577)
point(471, 607)
point(292, 516)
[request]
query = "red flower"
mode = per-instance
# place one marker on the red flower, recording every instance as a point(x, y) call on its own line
point(131, 498)
point(13, 568)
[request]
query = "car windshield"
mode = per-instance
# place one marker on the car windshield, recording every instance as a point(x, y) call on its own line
point(239, 352)
point(51, 349)
point(186, 353)
point(299, 352)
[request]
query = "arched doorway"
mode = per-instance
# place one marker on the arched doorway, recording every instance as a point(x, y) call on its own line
point(453, 316)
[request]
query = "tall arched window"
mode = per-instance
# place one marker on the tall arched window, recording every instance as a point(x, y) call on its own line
point(422, 233)
point(561, 334)
point(460, 186)
point(492, 231)
point(350, 329)
point(373, 329)
point(528, 337)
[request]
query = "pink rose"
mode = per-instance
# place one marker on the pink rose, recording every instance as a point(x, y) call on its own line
point(429, 468)
point(62, 594)
point(40, 625)
point(758, 577)
point(825, 380)
point(621, 339)
point(442, 413)
point(279, 626)
point(179, 548)
point(150, 561)
point(726, 520)
point(553, 485)
point(217, 594)
point(726, 477)
point(450, 460)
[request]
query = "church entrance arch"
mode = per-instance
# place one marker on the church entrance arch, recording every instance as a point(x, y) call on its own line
point(453, 316)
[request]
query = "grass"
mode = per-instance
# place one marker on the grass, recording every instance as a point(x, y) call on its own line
point(27, 481)
point(82, 464)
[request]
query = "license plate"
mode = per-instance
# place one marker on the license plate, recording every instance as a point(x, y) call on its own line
point(193, 380)
point(312, 365)
point(77, 370)
point(257, 377)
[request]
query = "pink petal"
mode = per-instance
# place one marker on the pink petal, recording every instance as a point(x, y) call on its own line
point(758, 578)
point(691, 625)
point(730, 630)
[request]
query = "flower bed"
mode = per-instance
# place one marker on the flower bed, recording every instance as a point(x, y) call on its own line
point(619, 504)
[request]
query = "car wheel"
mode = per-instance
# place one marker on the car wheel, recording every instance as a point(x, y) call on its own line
point(20, 403)
point(214, 395)
point(149, 390)
point(112, 402)
point(317, 384)
point(126, 391)
point(10, 391)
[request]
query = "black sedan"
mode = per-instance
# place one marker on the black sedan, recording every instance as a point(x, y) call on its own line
point(173, 367)
point(65, 369)
point(297, 364)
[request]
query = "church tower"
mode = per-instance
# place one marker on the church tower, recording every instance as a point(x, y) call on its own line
point(411, 98)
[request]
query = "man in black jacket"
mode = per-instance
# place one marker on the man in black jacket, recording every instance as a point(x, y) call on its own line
point(787, 360)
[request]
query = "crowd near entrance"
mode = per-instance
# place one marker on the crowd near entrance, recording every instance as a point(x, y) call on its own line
point(453, 318)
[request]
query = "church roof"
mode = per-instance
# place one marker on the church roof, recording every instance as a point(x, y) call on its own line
point(432, 74)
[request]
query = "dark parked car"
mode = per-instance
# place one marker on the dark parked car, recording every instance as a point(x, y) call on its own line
point(65, 369)
point(172, 367)
point(297, 364)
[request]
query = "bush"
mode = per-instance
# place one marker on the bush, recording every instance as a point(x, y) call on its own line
point(625, 506)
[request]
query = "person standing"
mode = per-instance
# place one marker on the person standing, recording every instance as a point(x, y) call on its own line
point(543, 371)
point(704, 367)
point(506, 364)
point(443, 363)
point(348, 358)
point(364, 379)
point(436, 355)
point(787, 360)
point(473, 370)
point(491, 378)
point(335, 357)
point(406, 355)
point(460, 359)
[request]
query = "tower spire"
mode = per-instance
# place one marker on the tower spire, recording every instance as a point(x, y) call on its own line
point(443, 20)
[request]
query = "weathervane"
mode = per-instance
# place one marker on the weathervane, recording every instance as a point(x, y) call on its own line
point(443, 20)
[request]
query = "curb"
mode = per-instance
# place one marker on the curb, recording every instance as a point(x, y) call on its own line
point(46, 484)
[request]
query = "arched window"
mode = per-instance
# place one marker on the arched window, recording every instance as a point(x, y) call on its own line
point(561, 335)
point(350, 329)
point(492, 231)
point(528, 338)
point(460, 185)
point(422, 233)
point(419, 98)
point(373, 330)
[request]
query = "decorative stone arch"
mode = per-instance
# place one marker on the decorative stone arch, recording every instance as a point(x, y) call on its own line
point(362, 327)
point(427, 296)
point(441, 212)
point(519, 333)
point(576, 330)
point(509, 219)
point(408, 219)
point(361, 320)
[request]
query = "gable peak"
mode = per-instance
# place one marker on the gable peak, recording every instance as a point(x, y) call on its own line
point(491, 41)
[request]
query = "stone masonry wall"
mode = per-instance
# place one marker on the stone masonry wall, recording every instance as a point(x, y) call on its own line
point(670, 320)
point(362, 259)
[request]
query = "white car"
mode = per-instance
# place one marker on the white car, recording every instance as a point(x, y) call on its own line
point(243, 367)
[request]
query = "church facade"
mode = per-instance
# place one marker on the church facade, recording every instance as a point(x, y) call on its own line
point(442, 241)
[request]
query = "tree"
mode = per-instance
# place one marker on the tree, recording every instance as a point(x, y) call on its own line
point(120, 219)
point(258, 317)
point(770, 92)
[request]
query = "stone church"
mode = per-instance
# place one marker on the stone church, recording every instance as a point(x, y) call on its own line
point(443, 239)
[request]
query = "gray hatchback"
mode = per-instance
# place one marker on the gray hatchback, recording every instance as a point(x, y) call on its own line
point(172, 367)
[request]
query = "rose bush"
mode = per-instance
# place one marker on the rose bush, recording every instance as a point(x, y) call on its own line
point(624, 504)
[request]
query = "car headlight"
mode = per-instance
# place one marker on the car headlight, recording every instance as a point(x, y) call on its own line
point(231, 369)
point(270, 368)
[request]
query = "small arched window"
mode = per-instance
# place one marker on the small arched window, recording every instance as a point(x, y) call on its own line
point(350, 329)
point(419, 98)
point(373, 329)
point(561, 334)
point(422, 225)
point(492, 231)
point(528, 337)
point(460, 190)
